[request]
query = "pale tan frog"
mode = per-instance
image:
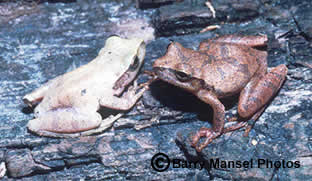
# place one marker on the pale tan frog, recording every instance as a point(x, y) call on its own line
point(69, 103)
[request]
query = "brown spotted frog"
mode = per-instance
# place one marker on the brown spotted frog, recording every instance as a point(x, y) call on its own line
point(222, 67)
point(69, 103)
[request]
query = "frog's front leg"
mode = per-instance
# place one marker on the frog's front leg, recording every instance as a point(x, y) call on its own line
point(127, 100)
point(218, 120)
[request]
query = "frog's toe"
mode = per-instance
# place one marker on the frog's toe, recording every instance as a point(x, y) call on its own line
point(198, 135)
point(203, 132)
point(207, 141)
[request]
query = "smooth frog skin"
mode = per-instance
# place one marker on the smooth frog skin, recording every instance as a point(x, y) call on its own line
point(223, 67)
point(69, 103)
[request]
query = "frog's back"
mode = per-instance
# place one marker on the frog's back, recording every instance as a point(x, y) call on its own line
point(229, 67)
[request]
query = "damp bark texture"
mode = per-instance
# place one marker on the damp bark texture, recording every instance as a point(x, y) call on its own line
point(41, 41)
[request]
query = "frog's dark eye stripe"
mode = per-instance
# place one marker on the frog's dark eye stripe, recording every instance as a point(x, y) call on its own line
point(182, 76)
point(134, 64)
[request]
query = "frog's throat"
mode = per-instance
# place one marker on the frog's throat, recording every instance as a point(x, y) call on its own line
point(124, 80)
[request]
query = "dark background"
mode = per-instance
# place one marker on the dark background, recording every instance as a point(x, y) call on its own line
point(40, 40)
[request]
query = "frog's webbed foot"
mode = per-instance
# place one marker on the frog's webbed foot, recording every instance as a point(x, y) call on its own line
point(135, 92)
point(204, 132)
point(235, 127)
point(106, 123)
point(241, 122)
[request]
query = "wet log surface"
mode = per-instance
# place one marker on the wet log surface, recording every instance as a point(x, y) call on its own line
point(41, 41)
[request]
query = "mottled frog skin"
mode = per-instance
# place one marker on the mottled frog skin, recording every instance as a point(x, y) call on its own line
point(222, 67)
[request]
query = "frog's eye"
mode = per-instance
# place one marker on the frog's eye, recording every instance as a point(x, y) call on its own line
point(182, 76)
point(135, 64)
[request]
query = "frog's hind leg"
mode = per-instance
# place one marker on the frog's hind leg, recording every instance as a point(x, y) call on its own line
point(247, 40)
point(106, 123)
point(257, 94)
point(64, 122)
point(243, 123)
